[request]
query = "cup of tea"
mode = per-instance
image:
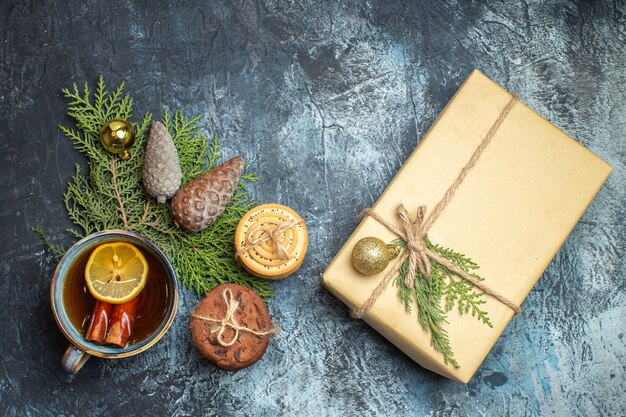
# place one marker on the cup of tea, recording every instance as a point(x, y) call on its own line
point(73, 305)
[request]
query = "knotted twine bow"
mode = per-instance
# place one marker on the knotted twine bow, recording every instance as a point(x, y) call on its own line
point(274, 235)
point(414, 232)
point(229, 321)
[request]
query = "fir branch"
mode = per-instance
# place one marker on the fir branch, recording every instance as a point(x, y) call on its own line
point(462, 261)
point(111, 194)
point(195, 154)
point(429, 294)
point(461, 292)
point(430, 315)
point(56, 250)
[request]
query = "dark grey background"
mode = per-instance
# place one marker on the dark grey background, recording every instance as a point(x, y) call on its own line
point(325, 100)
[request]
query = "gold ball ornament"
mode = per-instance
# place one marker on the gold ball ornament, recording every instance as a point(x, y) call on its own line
point(370, 255)
point(117, 136)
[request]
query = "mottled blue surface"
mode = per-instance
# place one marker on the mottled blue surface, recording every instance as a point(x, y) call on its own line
point(325, 100)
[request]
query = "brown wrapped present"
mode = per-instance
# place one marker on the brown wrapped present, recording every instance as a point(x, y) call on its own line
point(510, 214)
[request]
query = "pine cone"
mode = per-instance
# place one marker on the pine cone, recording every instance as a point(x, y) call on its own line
point(161, 170)
point(199, 203)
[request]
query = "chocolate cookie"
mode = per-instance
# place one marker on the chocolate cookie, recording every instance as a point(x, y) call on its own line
point(221, 343)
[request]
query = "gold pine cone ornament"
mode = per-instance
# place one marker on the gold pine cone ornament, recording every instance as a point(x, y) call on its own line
point(198, 204)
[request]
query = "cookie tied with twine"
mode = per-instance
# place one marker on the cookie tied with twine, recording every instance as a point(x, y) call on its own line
point(271, 241)
point(231, 326)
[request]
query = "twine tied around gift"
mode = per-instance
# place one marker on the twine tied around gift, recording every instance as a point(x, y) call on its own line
point(274, 235)
point(230, 321)
point(413, 232)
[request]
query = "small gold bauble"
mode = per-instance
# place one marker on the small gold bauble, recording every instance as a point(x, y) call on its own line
point(117, 136)
point(370, 255)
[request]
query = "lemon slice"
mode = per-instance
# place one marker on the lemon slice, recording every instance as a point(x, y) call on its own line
point(116, 272)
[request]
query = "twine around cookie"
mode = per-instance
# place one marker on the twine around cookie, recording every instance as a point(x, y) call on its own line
point(274, 235)
point(229, 321)
point(414, 232)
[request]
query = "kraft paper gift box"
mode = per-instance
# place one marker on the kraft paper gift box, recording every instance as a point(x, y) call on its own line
point(511, 214)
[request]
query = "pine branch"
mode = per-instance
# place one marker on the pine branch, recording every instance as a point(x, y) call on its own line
point(461, 292)
point(462, 261)
point(430, 315)
point(111, 194)
point(56, 250)
point(429, 294)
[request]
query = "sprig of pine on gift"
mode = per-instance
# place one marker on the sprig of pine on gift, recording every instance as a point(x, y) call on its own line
point(428, 295)
point(111, 194)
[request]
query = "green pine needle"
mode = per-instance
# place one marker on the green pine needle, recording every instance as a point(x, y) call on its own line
point(56, 250)
point(437, 295)
point(201, 260)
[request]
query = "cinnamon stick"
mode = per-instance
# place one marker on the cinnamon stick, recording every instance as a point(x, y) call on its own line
point(99, 322)
point(121, 323)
